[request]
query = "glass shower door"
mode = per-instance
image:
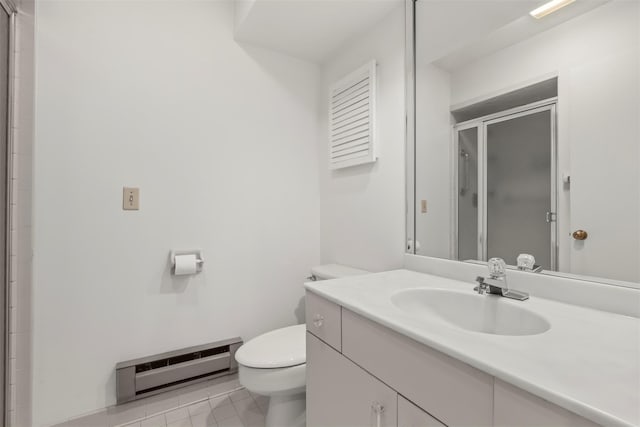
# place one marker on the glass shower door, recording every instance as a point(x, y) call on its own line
point(519, 196)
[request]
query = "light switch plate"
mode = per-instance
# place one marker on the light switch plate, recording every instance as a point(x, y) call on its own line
point(423, 206)
point(130, 199)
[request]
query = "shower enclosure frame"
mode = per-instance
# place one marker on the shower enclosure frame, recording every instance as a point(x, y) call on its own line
point(481, 123)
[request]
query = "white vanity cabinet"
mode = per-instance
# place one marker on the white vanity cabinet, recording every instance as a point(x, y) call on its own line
point(340, 393)
point(453, 392)
point(373, 376)
point(514, 406)
point(409, 415)
point(323, 319)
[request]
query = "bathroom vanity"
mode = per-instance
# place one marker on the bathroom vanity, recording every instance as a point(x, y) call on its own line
point(379, 355)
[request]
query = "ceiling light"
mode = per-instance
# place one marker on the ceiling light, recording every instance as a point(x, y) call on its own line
point(550, 7)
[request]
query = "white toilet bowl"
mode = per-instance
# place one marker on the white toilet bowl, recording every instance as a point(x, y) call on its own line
point(274, 364)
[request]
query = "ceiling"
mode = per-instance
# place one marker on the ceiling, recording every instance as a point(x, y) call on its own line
point(452, 33)
point(308, 29)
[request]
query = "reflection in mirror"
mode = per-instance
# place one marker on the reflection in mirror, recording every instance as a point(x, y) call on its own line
point(527, 134)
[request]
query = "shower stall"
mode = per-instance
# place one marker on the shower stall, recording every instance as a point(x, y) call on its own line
point(505, 186)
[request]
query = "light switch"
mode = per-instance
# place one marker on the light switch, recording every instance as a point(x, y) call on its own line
point(130, 199)
point(423, 206)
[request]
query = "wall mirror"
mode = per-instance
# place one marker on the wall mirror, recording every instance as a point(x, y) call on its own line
point(526, 134)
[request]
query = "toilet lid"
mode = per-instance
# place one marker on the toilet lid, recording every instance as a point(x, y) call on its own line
point(276, 349)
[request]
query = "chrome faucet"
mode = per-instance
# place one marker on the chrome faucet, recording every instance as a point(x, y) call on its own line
point(496, 283)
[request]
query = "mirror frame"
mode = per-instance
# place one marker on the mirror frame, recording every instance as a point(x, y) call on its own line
point(410, 125)
point(410, 158)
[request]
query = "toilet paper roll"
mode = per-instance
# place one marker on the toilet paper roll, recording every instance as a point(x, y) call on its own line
point(186, 264)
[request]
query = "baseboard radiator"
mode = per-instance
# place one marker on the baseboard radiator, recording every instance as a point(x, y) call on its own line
point(151, 375)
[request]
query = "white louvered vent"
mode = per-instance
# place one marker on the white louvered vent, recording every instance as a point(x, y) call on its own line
point(352, 109)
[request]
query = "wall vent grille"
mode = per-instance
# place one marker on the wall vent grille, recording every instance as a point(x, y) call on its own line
point(167, 371)
point(352, 106)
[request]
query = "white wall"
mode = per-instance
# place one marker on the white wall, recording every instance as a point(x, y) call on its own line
point(596, 58)
point(433, 164)
point(221, 140)
point(242, 8)
point(363, 207)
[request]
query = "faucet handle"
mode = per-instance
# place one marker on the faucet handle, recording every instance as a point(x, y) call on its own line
point(497, 267)
point(526, 262)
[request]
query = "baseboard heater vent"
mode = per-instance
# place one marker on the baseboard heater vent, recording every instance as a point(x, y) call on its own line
point(151, 375)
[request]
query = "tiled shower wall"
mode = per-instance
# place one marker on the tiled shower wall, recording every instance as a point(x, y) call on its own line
point(20, 193)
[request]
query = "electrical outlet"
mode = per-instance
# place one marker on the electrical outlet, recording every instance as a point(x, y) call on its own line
point(423, 206)
point(130, 199)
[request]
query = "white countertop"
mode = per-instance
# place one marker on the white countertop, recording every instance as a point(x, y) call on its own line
point(587, 363)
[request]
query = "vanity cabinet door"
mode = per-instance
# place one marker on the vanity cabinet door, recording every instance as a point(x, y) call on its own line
point(516, 407)
point(340, 393)
point(409, 415)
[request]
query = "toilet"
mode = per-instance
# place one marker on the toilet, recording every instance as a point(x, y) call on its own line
point(274, 363)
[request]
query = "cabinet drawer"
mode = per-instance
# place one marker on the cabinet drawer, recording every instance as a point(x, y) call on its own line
point(409, 415)
point(453, 392)
point(518, 407)
point(341, 394)
point(323, 320)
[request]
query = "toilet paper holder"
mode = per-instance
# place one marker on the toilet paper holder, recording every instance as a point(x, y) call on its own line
point(196, 252)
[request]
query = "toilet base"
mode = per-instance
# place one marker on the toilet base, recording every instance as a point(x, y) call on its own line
point(287, 411)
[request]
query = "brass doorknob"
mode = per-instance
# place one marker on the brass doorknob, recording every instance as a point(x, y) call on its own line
point(580, 235)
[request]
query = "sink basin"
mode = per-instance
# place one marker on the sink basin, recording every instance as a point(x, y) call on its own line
point(478, 313)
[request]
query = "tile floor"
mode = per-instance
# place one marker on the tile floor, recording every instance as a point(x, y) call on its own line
point(221, 402)
point(236, 409)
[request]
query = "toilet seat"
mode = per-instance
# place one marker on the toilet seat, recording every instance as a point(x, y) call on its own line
point(281, 348)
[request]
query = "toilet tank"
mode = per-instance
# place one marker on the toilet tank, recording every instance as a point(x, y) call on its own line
point(334, 271)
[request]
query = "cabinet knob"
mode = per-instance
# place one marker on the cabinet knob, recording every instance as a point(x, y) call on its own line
point(318, 320)
point(580, 235)
point(378, 409)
